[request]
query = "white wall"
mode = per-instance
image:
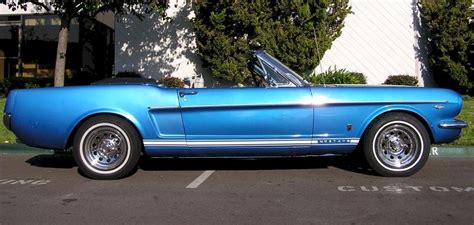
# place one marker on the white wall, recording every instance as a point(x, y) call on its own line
point(30, 9)
point(380, 38)
point(155, 47)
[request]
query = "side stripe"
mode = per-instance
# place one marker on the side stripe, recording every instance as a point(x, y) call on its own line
point(249, 142)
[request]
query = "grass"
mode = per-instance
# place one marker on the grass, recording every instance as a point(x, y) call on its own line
point(466, 139)
point(5, 135)
point(467, 114)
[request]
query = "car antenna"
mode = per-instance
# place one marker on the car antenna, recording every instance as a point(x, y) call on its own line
point(319, 58)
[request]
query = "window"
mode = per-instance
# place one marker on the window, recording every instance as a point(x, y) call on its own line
point(275, 76)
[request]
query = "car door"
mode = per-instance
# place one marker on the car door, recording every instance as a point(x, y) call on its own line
point(255, 118)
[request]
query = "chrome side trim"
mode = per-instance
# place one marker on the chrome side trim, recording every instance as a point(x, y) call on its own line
point(163, 107)
point(162, 143)
point(381, 102)
point(297, 104)
point(454, 124)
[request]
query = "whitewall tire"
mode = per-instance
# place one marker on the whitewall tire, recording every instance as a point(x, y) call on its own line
point(396, 144)
point(106, 147)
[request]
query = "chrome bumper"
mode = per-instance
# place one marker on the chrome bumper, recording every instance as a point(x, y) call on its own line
point(7, 120)
point(452, 124)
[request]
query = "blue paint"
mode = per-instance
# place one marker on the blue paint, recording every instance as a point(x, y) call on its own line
point(299, 120)
point(46, 117)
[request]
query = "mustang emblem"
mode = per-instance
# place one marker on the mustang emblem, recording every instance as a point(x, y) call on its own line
point(438, 107)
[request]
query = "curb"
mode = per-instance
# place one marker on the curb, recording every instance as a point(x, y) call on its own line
point(21, 149)
point(452, 151)
point(435, 151)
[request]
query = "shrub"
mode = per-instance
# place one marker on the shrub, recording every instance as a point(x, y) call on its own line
point(5, 84)
point(171, 82)
point(128, 74)
point(451, 40)
point(337, 76)
point(25, 82)
point(30, 85)
point(401, 80)
point(227, 30)
point(84, 78)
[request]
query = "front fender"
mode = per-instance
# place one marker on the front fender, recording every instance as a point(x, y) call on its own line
point(395, 108)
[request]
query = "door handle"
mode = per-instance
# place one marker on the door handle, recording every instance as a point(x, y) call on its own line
point(183, 93)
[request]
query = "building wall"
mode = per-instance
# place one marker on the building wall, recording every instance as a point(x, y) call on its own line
point(380, 38)
point(156, 47)
point(39, 35)
point(30, 9)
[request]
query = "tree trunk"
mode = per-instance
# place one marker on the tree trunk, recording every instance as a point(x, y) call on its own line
point(61, 51)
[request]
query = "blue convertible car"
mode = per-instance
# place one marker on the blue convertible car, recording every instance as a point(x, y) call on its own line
point(109, 126)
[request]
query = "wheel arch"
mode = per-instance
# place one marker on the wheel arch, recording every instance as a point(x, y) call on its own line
point(129, 119)
point(413, 113)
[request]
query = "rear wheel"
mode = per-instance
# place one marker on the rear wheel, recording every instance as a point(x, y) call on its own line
point(106, 147)
point(396, 144)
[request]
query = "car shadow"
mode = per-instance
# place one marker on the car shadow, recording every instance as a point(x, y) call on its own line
point(183, 164)
point(59, 161)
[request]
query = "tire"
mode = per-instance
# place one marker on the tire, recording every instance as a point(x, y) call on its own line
point(106, 147)
point(396, 145)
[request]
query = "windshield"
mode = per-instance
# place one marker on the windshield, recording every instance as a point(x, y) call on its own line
point(277, 78)
point(281, 74)
point(288, 69)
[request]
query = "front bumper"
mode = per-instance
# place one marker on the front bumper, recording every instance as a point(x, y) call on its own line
point(7, 121)
point(452, 124)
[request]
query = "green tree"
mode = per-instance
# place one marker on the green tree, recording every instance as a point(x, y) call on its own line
point(226, 31)
point(451, 37)
point(69, 10)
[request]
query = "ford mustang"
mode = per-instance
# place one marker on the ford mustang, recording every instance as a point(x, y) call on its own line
point(110, 125)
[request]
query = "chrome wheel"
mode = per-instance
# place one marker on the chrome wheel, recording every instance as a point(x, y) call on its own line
point(104, 148)
point(398, 146)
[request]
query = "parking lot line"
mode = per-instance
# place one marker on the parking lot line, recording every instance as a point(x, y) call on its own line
point(199, 180)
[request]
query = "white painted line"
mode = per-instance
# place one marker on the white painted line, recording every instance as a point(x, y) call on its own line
point(199, 180)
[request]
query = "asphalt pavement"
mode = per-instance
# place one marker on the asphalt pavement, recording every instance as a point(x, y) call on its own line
point(47, 189)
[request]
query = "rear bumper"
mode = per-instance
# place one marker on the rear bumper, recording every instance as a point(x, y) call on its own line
point(7, 121)
point(452, 124)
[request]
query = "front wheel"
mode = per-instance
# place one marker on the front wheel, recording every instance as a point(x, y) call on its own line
point(396, 144)
point(106, 147)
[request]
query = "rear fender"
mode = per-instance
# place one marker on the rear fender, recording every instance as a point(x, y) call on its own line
point(119, 113)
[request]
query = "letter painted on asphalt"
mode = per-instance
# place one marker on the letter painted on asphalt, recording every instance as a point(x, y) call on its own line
point(392, 188)
point(345, 188)
point(458, 189)
point(439, 189)
point(415, 188)
point(22, 181)
point(374, 188)
point(41, 182)
point(7, 181)
point(469, 189)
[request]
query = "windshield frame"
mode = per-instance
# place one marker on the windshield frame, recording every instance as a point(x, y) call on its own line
point(281, 69)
